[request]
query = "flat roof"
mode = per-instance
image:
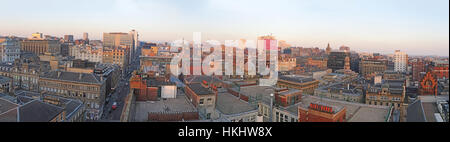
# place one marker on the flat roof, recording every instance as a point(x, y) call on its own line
point(177, 105)
point(256, 91)
point(229, 104)
point(199, 89)
point(289, 91)
point(356, 112)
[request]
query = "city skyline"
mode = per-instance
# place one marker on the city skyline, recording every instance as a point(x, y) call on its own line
point(415, 27)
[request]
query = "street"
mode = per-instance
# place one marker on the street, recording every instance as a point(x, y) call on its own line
point(119, 95)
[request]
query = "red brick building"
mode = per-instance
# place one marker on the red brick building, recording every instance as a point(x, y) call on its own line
point(428, 85)
point(203, 98)
point(417, 68)
point(316, 112)
point(440, 72)
point(148, 89)
point(288, 97)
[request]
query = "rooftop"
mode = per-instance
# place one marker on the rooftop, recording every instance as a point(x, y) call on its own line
point(430, 108)
point(229, 104)
point(415, 112)
point(199, 89)
point(6, 105)
point(289, 91)
point(255, 91)
point(201, 78)
point(177, 105)
point(73, 77)
point(355, 112)
point(155, 82)
point(72, 106)
point(37, 111)
point(297, 79)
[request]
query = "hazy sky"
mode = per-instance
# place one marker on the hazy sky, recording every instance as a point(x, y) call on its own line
point(419, 27)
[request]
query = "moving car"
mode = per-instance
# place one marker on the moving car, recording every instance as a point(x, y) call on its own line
point(114, 106)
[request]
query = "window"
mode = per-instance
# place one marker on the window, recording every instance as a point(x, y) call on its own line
point(201, 101)
point(208, 116)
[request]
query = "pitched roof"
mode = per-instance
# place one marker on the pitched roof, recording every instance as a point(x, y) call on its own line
point(296, 79)
point(73, 77)
point(37, 111)
point(415, 112)
point(72, 107)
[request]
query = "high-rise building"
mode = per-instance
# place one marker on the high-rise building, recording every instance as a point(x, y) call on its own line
point(68, 38)
point(354, 62)
point(117, 40)
point(120, 40)
point(116, 56)
point(135, 37)
point(86, 36)
point(336, 60)
point(400, 61)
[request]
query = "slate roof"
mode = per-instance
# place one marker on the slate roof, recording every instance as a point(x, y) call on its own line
point(71, 107)
point(415, 112)
point(296, 79)
point(6, 105)
point(37, 111)
point(73, 77)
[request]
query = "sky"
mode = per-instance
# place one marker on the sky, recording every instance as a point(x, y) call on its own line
point(418, 27)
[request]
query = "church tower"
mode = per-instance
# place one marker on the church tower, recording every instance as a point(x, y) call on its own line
point(328, 50)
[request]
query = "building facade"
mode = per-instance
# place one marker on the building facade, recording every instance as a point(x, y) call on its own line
point(370, 66)
point(39, 47)
point(87, 52)
point(88, 88)
point(306, 85)
point(118, 56)
point(203, 99)
point(400, 61)
point(390, 93)
point(428, 85)
point(336, 60)
point(316, 112)
point(9, 50)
